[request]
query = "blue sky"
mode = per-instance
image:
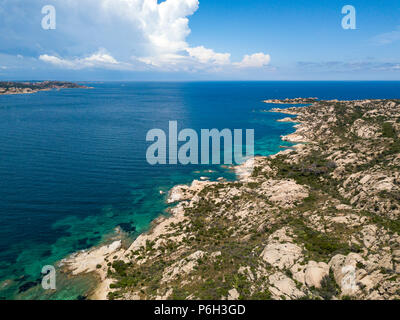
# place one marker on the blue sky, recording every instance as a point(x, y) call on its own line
point(199, 40)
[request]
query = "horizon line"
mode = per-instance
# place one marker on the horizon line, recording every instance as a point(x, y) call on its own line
point(93, 81)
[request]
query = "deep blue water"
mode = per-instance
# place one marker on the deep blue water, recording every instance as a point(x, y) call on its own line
point(73, 167)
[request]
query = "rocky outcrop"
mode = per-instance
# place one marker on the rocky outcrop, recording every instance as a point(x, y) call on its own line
point(182, 267)
point(282, 256)
point(314, 273)
point(292, 101)
point(183, 192)
point(365, 130)
point(283, 287)
point(285, 193)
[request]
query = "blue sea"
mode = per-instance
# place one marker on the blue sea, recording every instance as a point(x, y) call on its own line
point(73, 162)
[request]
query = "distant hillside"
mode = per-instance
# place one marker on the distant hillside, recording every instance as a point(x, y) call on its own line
point(10, 87)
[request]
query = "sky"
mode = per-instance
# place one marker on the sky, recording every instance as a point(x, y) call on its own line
point(178, 40)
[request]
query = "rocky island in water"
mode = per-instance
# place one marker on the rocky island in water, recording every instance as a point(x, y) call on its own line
point(11, 87)
point(317, 221)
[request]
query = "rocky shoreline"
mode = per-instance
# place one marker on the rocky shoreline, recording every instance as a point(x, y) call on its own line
point(317, 221)
point(292, 101)
point(11, 88)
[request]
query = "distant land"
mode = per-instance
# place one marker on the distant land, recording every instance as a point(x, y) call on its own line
point(10, 87)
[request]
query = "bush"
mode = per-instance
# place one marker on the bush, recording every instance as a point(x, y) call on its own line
point(329, 288)
point(388, 130)
point(120, 267)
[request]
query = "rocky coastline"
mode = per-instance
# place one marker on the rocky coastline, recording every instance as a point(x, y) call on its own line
point(317, 221)
point(292, 101)
point(11, 88)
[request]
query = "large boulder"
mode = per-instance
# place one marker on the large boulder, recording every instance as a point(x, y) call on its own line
point(281, 255)
point(233, 294)
point(281, 285)
point(314, 273)
point(285, 193)
point(310, 274)
point(365, 130)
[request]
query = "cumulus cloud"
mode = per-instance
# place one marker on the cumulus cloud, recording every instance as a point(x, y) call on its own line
point(205, 55)
point(164, 25)
point(135, 35)
point(98, 59)
point(56, 61)
point(256, 60)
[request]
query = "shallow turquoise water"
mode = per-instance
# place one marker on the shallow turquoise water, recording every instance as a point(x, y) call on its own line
point(73, 167)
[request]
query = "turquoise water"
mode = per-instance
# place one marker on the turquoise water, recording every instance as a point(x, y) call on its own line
point(73, 167)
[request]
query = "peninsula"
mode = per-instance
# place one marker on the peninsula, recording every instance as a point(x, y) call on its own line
point(318, 221)
point(10, 87)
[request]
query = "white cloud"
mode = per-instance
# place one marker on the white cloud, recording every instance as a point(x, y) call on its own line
point(205, 55)
point(256, 60)
point(346, 66)
point(56, 61)
point(98, 59)
point(136, 35)
point(387, 38)
point(165, 26)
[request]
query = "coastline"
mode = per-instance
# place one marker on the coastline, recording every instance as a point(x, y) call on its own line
point(15, 88)
point(290, 224)
point(88, 261)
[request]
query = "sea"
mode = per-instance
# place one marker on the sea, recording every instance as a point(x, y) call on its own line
point(73, 168)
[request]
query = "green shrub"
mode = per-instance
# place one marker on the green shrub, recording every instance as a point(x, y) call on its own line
point(120, 267)
point(388, 130)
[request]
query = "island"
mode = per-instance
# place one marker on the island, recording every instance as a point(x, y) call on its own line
point(11, 87)
point(292, 101)
point(317, 221)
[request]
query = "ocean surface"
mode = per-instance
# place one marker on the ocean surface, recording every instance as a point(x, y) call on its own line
point(73, 162)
